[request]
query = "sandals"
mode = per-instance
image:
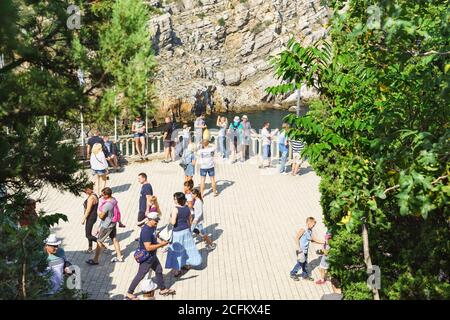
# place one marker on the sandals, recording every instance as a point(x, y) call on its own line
point(177, 274)
point(216, 194)
point(128, 298)
point(321, 281)
point(186, 267)
point(92, 262)
point(169, 292)
point(88, 251)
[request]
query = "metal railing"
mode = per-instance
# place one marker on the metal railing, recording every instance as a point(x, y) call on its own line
point(155, 144)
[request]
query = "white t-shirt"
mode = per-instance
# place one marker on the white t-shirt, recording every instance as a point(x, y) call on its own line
point(98, 161)
point(198, 211)
point(266, 137)
point(206, 157)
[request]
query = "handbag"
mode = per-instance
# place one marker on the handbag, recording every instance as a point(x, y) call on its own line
point(141, 255)
point(166, 233)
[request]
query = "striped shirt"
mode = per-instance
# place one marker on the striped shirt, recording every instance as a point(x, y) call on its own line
point(297, 146)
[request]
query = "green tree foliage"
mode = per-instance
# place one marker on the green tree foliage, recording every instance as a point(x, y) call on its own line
point(115, 49)
point(39, 78)
point(379, 139)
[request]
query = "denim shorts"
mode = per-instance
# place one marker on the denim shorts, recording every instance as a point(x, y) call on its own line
point(98, 172)
point(139, 135)
point(209, 171)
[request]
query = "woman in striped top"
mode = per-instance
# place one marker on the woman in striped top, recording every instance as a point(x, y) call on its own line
point(297, 147)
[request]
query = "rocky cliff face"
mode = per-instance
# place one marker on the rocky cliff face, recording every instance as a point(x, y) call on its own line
point(213, 55)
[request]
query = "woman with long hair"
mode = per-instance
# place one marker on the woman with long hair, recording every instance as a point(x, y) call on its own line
point(198, 218)
point(90, 214)
point(154, 205)
point(182, 253)
point(222, 123)
point(99, 166)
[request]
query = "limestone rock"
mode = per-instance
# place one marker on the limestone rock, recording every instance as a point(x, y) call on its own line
point(213, 55)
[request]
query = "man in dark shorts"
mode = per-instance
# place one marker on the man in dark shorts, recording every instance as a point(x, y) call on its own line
point(169, 143)
point(107, 229)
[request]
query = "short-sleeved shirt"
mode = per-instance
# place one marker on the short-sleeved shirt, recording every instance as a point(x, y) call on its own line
point(246, 132)
point(56, 264)
point(206, 157)
point(189, 197)
point(199, 122)
point(266, 137)
point(235, 129)
point(297, 146)
point(96, 139)
point(282, 139)
point(305, 239)
point(168, 128)
point(148, 234)
point(198, 211)
point(108, 209)
point(146, 190)
point(188, 157)
point(139, 126)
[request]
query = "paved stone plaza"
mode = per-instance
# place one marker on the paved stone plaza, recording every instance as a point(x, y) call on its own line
point(253, 221)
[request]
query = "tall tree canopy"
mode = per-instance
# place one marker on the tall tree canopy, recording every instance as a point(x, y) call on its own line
point(379, 139)
point(39, 78)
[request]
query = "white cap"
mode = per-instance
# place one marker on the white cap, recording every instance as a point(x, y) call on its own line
point(152, 216)
point(52, 240)
point(244, 117)
point(236, 118)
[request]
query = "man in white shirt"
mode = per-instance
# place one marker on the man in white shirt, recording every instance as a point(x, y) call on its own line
point(206, 160)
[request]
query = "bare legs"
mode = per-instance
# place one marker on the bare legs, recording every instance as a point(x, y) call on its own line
point(140, 146)
point(142, 141)
point(202, 185)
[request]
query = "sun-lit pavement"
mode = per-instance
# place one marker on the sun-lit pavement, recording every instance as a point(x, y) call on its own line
point(253, 221)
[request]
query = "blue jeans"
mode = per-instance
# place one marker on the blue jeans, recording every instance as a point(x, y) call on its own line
point(266, 152)
point(283, 160)
point(299, 266)
point(222, 143)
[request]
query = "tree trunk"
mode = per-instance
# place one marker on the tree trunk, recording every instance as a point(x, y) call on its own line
point(367, 259)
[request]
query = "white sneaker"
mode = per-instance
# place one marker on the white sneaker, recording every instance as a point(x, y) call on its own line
point(211, 247)
point(117, 259)
point(284, 173)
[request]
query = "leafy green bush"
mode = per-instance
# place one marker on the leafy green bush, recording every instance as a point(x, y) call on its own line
point(379, 139)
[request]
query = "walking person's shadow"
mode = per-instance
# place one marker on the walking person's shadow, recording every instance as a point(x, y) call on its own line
point(221, 186)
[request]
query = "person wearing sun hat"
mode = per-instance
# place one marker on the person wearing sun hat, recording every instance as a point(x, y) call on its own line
point(58, 264)
point(246, 129)
point(234, 132)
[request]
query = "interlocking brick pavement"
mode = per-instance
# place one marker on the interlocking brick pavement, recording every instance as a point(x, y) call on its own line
point(253, 221)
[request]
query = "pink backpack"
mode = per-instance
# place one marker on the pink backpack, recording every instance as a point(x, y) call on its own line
point(115, 203)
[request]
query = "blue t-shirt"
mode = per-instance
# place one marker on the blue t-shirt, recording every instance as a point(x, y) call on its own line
point(148, 234)
point(305, 239)
point(282, 142)
point(146, 190)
